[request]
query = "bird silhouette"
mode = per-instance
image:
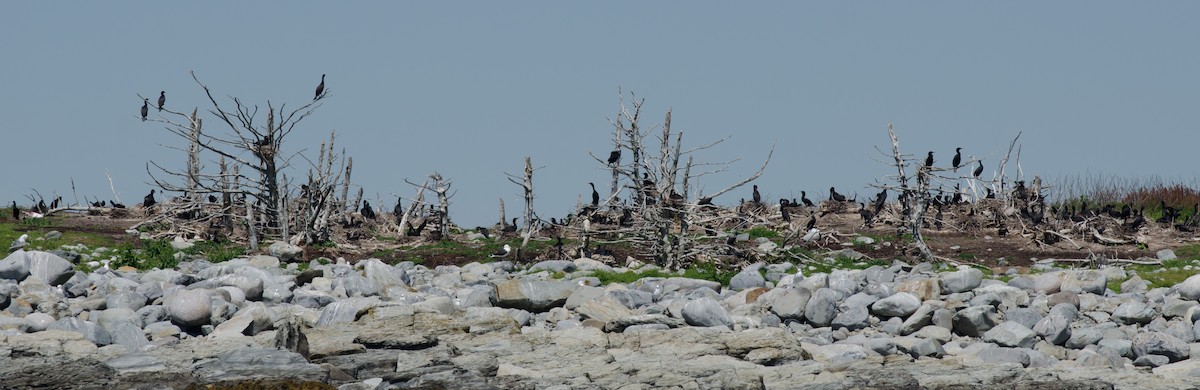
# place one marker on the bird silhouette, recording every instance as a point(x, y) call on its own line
point(957, 158)
point(614, 157)
point(162, 99)
point(978, 169)
point(367, 212)
point(834, 195)
point(16, 213)
point(149, 201)
point(145, 108)
point(929, 160)
point(320, 89)
point(804, 199)
point(595, 195)
point(756, 196)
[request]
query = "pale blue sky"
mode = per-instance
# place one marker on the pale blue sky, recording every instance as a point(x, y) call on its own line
point(470, 89)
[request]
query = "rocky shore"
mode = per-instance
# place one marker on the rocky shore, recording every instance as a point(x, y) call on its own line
point(551, 325)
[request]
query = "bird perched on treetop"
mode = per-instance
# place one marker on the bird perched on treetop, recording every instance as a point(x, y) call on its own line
point(145, 108)
point(162, 99)
point(957, 158)
point(320, 89)
point(595, 195)
point(614, 157)
point(979, 169)
point(756, 196)
point(929, 159)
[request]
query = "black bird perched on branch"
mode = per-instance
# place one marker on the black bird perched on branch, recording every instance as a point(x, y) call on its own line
point(149, 201)
point(162, 99)
point(212, 199)
point(929, 160)
point(595, 195)
point(978, 169)
point(397, 211)
point(812, 222)
point(116, 205)
point(833, 195)
point(320, 89)
point(145, 108)
point(16, 212)
point(957, 158)
point(367, 211)
point(756, 196)
point(783, 211)
point(614, 157)
point(804, 199)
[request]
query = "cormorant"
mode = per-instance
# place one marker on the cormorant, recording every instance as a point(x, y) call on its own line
point(595, 196)
point(929, 159)
point(865, 214)
point(16, 212)
point(41, 206)
point(978, 169)
point(614, 157)
point(756, 196)
point(783, 211)
point(367, 212)
point(484, 231)
point(804, 199)
point(833, 195)
point(149, 201)
point(990, 194)
point(812, 222)
point(212, 199)
point(145, 108)
point(510, 228)
point(320, 89)
point(162, 99)
point(957, 158)
point(503, 252)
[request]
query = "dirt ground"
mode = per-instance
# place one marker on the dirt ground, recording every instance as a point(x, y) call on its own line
point(982, 246)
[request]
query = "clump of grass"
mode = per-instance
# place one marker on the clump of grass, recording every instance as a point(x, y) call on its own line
point(1146, 193)
point(844, 263)
point(147, 254)
point(709, 271)
point(607, 277)
point(216, 251)
point(762, 231)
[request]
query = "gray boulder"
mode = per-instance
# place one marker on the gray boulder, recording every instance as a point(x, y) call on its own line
point(554, 266)
point(1188, 289)
point(920, 318)
point(1024, 316)
point(1055, 328)
point(15, 266)
point(822, 307)
point(1085, 281)
point(125, 299)
point(1134, 313)
point(1154, 343)
point(900, 304)
point(190, 308)
point(706, 312)
point(852, 318)
point(533, 295)
point(749, 277)
point(49, 267)
point(960, 281)
point(1083, 337)
point(975, 320)
point(790, 305)
point(248, 364)
point(284, 251)
point(1011, 334)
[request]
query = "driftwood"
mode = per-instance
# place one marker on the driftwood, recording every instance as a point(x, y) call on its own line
point(1124, 261)
point(1107, 240)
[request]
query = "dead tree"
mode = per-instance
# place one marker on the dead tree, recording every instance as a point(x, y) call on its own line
point(661, 212)
point(248, 144)
point(527, 190)
point(441, 187)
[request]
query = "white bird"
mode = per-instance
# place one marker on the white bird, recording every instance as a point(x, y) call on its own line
point(19, 243)
point(503, 252)
point(812, 234)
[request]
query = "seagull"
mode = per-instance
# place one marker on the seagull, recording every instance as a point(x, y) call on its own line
point(503, 252)
point(145, 108)
point(812, 234)
point(320, 89)
point(21, 242)
point(162, 99)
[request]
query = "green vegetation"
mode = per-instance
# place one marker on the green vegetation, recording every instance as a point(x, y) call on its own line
point(146, 254)
point(709, 271)
point(844, 263)
point(607, 277)
point(216, 251)
point(762, 231)
point(967, 256)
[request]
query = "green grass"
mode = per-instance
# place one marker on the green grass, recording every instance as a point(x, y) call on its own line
point(1188, 252)
point(967, 256)
point(762, 231)
point(709, 271)
point(844, 263)
point(607, 277)
point(146, 254)
point(216, 251)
